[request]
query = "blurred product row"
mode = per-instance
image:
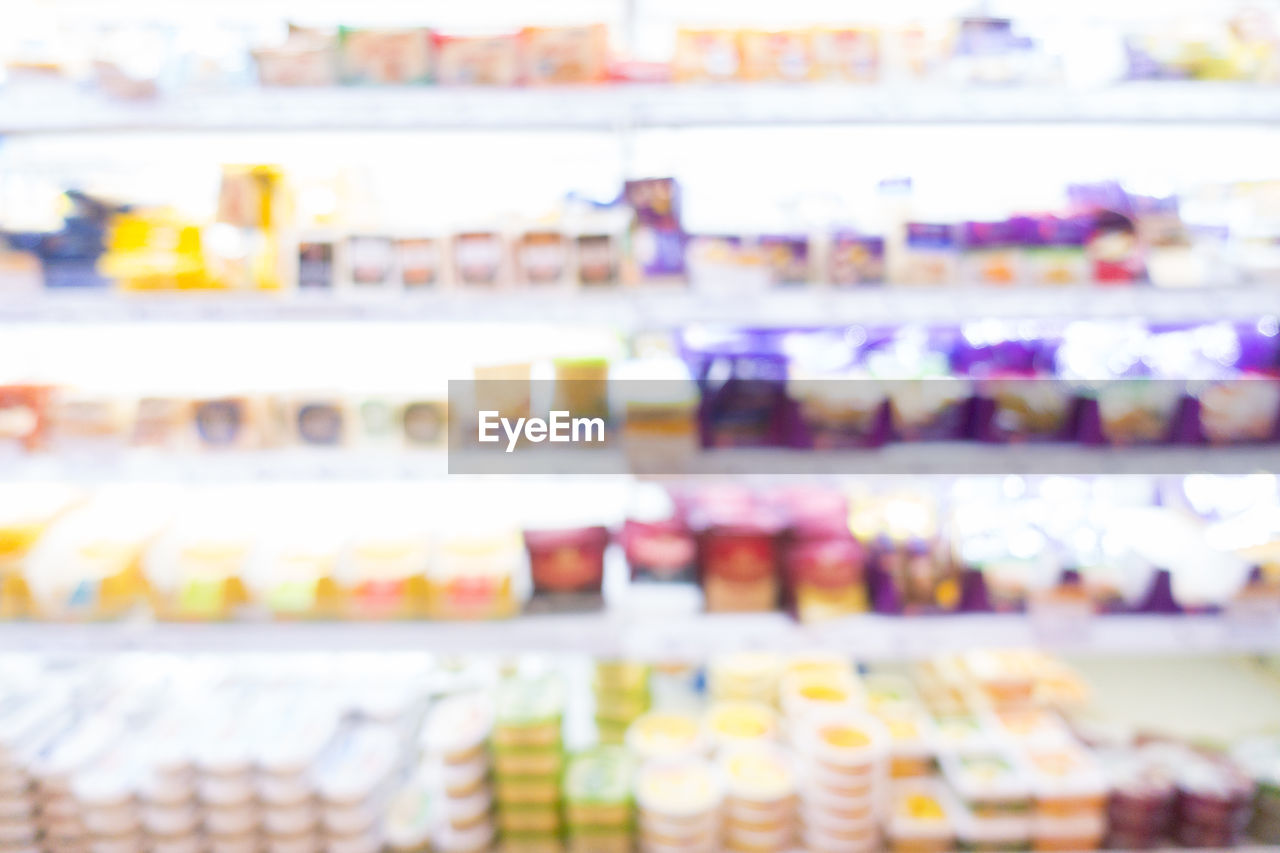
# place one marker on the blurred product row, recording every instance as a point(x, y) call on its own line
point(1091, 384)
point(991, 751)
point(1071, 547)
point(309, 235)
point(140, 59)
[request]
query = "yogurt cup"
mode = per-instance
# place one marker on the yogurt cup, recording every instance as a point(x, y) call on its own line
point(111, 820)
point(679, 789)
point(178, 844)
point(231, 821)
point(759, 775)
point(246, 843)
point(458, 728)
point(305, 842)
point(666, 735)
point(297, 819)
point(169, 820)
point(729, 723)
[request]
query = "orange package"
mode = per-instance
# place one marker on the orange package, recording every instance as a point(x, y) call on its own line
point(705, 55)
point(776, 55)
point(478, 61)
point(846, 54)
point(565, 54)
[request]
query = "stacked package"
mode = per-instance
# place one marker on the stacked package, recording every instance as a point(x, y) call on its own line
point(842, 758)
point(621, 691)
point(1069, 792)
point(679, 801)
point(224, 780)
point(666, 734)
point(921, 818)
point(760, 798)
point(995, 798)
point(747, 677)
point(169, 811)
point(598, 800)
point(289, 807)
point(83, 743)
point(456, 743)
point(528, 756)
point(353, 782)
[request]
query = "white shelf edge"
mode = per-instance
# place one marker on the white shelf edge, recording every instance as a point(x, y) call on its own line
point(63, 109)
point(656, 635)
point(660, 306)
point(946, 458)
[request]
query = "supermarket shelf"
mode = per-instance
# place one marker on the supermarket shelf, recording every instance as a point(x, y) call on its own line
point(660, 307)
point(868, 637)
point(353, 465)
point(60, 109)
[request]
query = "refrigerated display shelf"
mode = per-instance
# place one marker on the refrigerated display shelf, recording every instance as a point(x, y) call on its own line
point(655, 307)
point(662, 636)
point(907, 459)
point(62, 109)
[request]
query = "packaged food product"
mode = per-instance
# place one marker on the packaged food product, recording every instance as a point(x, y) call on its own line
point(564, 54)
point(787, 257)
point(912, 739)
point(473, 576)
point(418, 261)
point(458, 728)
point(529, 713)
point(307, 58)
point(478, 61)
point(370, 261)
point(921, 818)
point(597, 260)
point(478, 259)
point(992, 253)
point(989, 783)
point(25, 416)
point(233, 423)
point(597, 790)
point(1066, 782)
point(90, 563)
point(1055, 251)
point(740, 565)
point(849, 54)
point(776, 55)
point(679, 802)
point(666, 734)
point(745, 677)
point(930, 254)
point(731, 723)
point(826, 575)
point(567, 566)
point(760, 785)
point(317, 264)
point(807, 693)
point(385, 57)
point(855, 259)
point(541, 258)
point(705, 55)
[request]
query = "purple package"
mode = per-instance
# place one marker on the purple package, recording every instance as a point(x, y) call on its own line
point(855, 259)
point(656, 202)
point(927, 403)
point(659, 253)
point(1016, 397)
point(931, 235)
point(744, 401)
point(787, 258)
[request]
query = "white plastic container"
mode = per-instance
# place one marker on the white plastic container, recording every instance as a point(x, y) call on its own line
point(922, 818)
point(458, 729)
